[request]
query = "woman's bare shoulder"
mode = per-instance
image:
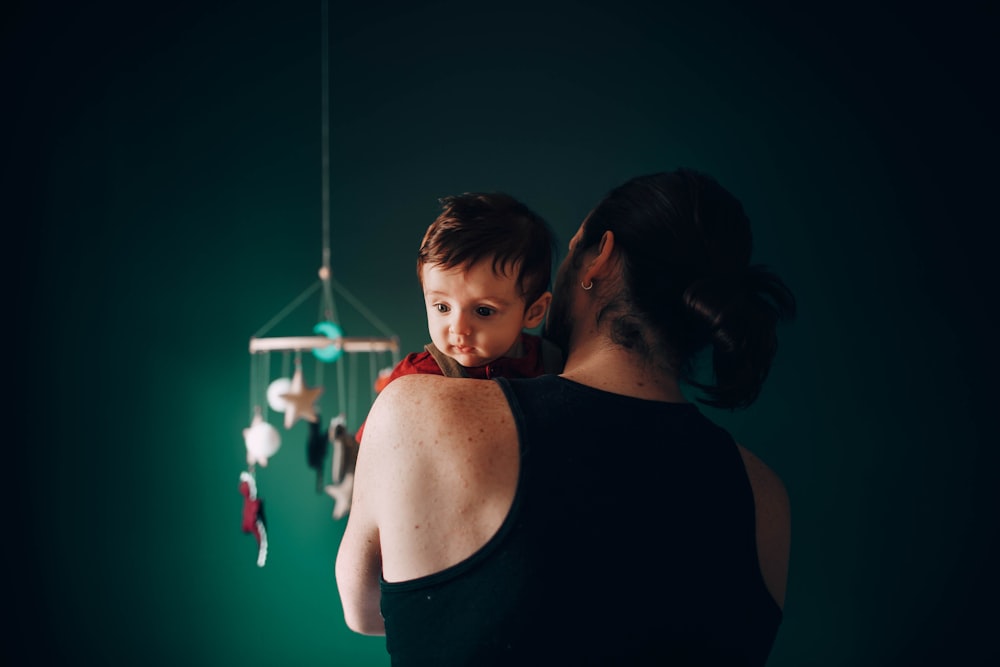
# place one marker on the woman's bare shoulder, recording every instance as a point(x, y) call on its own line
point(435, 408)
point(420, 393)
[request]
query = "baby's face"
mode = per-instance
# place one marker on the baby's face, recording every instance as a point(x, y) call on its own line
point(473, 315)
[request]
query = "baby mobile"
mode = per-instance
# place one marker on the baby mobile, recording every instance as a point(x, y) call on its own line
point(291, 395)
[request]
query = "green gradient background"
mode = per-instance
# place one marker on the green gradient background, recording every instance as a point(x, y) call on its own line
point(162, 169)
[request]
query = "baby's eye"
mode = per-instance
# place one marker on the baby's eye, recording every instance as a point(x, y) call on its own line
point(441, 307)
point(483, 311)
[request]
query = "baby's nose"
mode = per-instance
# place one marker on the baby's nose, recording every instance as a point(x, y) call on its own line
point(460, 325)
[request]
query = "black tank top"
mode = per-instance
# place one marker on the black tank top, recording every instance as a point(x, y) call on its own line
point(630, 541)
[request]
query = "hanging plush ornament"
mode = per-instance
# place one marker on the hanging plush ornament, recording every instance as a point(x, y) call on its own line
point(343, 461)
point(331, 352)
point(316, 450)
point(275, 394)
point(262, 441)
point(301, 400)
point(253, 515)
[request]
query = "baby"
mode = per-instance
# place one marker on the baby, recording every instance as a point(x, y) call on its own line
point(484, 265)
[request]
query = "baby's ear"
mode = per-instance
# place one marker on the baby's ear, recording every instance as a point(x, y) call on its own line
point(535, 313)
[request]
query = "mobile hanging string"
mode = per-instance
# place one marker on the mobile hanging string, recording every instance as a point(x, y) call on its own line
point(325, 274)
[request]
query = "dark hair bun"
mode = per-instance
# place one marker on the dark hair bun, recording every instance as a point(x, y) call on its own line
point(737, 314)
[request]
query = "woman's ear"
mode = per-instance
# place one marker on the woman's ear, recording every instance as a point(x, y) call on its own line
point(535, 313)
point(601, 263)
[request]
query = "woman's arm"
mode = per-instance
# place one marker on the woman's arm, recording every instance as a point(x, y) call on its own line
point(774, 530)
point(359, 559)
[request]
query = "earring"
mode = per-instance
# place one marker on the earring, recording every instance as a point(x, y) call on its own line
point(588, 286)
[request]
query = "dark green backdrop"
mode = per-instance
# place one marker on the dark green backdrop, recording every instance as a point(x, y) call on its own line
point(162, 202)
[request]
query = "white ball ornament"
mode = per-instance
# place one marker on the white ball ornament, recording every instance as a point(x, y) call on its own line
point(262, 441)
point(275, 394)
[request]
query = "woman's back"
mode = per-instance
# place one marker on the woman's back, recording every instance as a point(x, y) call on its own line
point(631, 540)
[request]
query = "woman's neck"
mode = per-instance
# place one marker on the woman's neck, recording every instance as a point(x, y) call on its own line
point(612, 368)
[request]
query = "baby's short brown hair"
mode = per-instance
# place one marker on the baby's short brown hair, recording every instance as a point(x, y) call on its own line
point(477, 225)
